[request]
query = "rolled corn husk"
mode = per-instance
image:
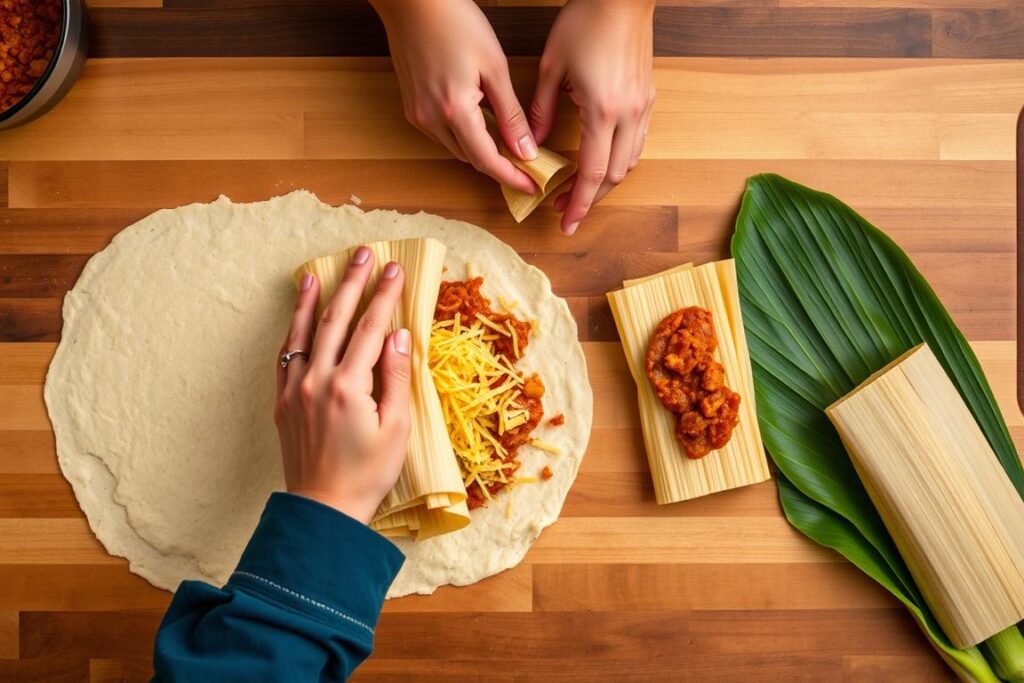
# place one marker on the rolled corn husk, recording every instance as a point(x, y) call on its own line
point(637, 309)
point(429, 498)
point(548, 171)
point(950, 508)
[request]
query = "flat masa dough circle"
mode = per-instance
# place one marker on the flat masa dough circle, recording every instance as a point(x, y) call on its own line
point(161, 389)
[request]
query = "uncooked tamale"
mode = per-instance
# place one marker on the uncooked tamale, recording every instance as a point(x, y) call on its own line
point(639, 309)
point(954, 514)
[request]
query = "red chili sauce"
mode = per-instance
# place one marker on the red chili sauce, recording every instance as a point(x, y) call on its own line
point(690, 383)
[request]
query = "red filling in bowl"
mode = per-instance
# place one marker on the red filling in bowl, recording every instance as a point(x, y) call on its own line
point(29, 33)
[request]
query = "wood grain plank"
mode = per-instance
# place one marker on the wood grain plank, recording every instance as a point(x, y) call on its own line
point(309, 28)
point(39, 276)
point(677, 540)
point(758, 32)
point(51, 541)
point(62, 231)
point(29, 320)
point(25, 363)
point(28, 452)
point(48, 669)
point(694, 665)
point(708, 182)
point(873, 668)
point(81, 633)
point(610, 380)
point(9, 635)
point(77, 587)
point(991, 33)
point(1020, 248)
point(136, 670)
point(206, 133)
point(630, 587)
point(620, 228)
point(660, 3)
point(673, 134)
point(365, 90)
point(881, 86)
point(22, 408)
point(509, 591)
point(977, 136)
point(121, 110)
point(645, 635)
point(613, 449)
point(312, 27)
point(910, 4)
point(93, 4)
point(36, 495)
point(601, 642)
point(631, 494)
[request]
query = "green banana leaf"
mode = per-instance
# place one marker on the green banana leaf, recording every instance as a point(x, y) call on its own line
point(828, 299)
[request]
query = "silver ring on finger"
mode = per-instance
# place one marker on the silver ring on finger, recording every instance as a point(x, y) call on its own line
point(289, 356)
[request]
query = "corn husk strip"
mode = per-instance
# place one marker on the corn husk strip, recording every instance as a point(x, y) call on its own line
point(548, 171)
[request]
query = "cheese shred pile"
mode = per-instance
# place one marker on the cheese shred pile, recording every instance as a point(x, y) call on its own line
point(479, 390)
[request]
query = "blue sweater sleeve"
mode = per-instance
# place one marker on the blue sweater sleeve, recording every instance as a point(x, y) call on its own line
point(301, 606)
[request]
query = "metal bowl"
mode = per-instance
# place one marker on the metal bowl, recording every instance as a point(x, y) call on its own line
point(60, 75)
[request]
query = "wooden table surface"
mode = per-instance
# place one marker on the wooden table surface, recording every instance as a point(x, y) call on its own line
point(897, 107)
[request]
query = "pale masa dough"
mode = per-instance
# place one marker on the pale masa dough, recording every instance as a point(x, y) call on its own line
point(160, 391)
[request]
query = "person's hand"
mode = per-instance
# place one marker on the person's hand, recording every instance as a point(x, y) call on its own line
point(601, 51)
point(339, 446)
point(448, 59)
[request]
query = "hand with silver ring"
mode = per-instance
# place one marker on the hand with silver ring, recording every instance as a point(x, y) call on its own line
point(286, 357)
point(339, 445)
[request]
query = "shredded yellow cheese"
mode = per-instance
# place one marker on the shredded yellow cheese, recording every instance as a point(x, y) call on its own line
point(479, 390)
point(545, 446)
point(515, 338)
point(509, 306)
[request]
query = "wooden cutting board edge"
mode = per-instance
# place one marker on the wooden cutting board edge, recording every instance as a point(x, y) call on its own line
point(1020, 251)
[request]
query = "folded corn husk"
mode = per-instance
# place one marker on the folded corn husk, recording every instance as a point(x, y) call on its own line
point(950, 508)
point(429, 498)
point(548, 171)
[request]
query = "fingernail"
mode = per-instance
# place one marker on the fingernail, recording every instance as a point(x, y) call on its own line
point(390, 270)
point(403, 341)
point(571, 228)
point(527, 147)
point(307, 282)
point(361, 256)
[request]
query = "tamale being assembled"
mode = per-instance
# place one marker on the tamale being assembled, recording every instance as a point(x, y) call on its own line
point(950, 508)
point(429, 498)
point(638, 309)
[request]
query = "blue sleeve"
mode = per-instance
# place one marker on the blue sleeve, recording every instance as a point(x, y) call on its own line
point(301, 606)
